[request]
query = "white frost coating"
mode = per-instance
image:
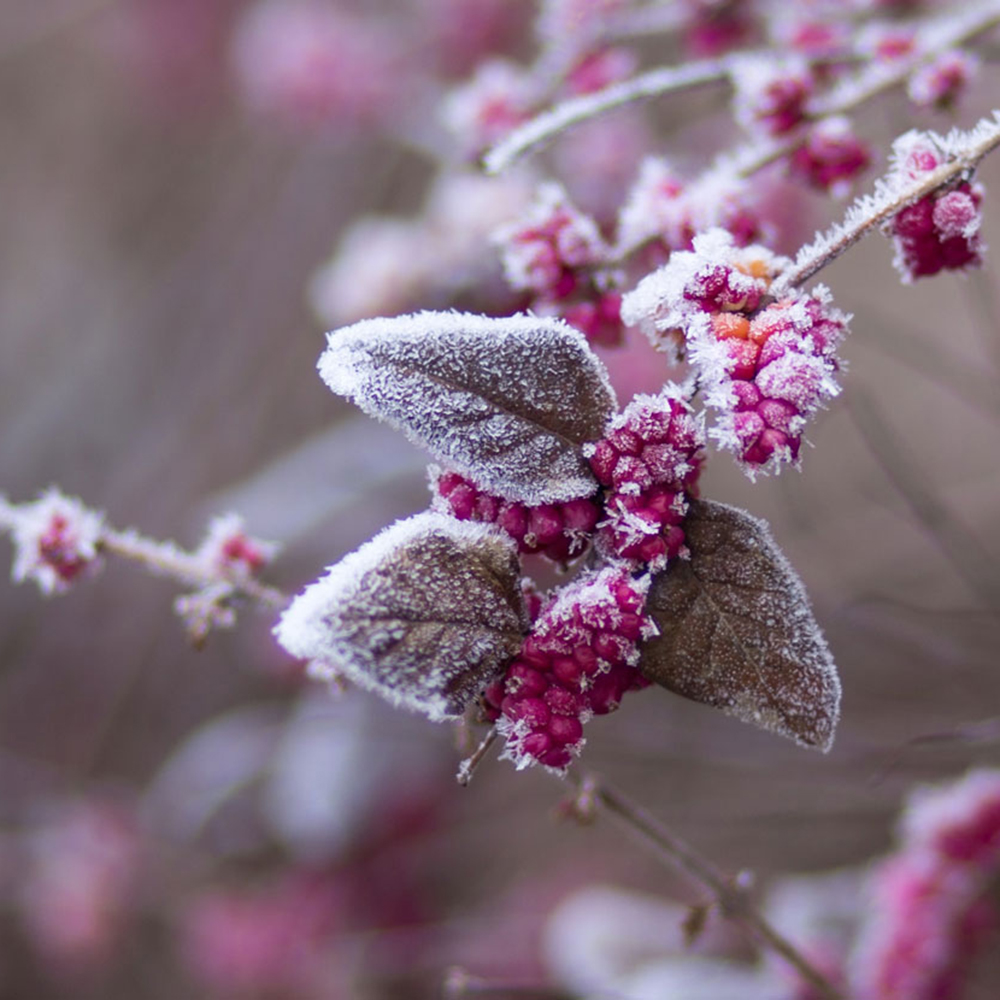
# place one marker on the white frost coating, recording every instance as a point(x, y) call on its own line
point(424, 614)
point(507, 402)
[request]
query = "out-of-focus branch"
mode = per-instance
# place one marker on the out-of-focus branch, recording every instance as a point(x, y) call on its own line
point(731, 899)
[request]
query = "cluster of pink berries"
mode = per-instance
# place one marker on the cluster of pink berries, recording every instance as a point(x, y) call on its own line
point(932, 907)
point(773, 95)
point(648, 463)
point(558, 531)
point(765, 367)
point(554, 252)
point(578, 661)
point(831, 156)
point(939, 83)
point(941, 231)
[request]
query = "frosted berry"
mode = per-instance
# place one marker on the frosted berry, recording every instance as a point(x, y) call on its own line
point(831, 156)
point(229, 551)
point(578, 661)
point(56, 539)
point(559, 531)
point(940, 82)
point(771, 95)
point(543, 250)
point(938, 232)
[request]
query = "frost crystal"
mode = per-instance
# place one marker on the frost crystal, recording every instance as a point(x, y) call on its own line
point(508, 402)
point(425, 614)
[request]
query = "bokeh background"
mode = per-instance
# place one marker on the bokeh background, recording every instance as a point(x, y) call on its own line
point(180, 822)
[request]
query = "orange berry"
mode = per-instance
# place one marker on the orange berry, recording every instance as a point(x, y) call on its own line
point(729, 325)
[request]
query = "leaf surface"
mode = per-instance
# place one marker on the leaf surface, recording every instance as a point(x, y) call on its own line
point(737, 631)
point(507, 402)
point(425, 614)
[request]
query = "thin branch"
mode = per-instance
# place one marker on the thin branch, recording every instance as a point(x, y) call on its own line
point(580, 109)
point(872, 211)
point(468, 766)
point(728, 895)
point(166, 559)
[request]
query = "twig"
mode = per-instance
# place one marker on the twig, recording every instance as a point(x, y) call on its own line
point(468, 766)
point(166, 559)
point(580, 109)
point(728, 895)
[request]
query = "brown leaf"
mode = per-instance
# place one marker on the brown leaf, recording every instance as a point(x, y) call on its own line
point(507, 402)
point(425, 614)
point(737, 631)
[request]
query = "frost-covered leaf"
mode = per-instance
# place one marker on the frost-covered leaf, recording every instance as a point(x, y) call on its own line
point(425, 614)
point(507, 402)
point(737, 631)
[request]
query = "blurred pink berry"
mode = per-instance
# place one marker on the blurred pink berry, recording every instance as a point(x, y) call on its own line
point(308, 64)
point(887, 42)
point(772, 94)
point(56, 539)
point(544, 250)
point(499, 97)
point(599, 69)
point(271, 939)
point(229, 551)
point(942, 81)
point(931, 910)
point(831, 157)
point(713, 27)
point(79, 882)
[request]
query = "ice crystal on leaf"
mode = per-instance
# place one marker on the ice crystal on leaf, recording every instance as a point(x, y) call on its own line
point(508, 402)
point(425, 614)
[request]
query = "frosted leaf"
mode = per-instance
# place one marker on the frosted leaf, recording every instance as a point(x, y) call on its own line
point(425, 614)
point(507, 402)
point(737, 631)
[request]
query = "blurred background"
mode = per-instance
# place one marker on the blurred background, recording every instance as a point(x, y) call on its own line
point(209, 823)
